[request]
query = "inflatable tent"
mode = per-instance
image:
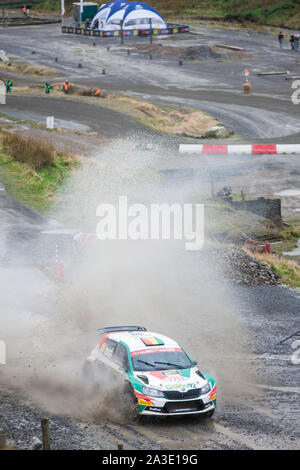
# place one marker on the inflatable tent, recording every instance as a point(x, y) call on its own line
point(115, 15)
point(135, 15)
point(101, 15)
point(138, 15)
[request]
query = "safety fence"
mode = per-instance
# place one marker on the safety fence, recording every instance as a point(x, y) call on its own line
point(171, 29)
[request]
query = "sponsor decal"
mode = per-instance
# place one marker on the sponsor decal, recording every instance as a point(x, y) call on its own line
point(182, 386)
point(145, 402)
point(170, 372)
point(154, 350)
point(213, 392)
point(133, 32)
point(142, 399)
point(213, 397)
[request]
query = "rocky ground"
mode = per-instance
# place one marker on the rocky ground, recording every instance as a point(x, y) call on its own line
point(240, 268)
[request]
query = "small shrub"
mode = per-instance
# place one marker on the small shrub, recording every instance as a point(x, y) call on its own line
point(34, 152)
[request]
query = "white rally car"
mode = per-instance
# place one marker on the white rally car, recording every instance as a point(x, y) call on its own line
point(158, 377)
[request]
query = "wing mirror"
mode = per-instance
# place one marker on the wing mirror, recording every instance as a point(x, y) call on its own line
point(194, 363)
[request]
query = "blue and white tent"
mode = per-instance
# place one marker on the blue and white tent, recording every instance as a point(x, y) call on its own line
point(138, 15)
point(115, 15)
point(103, 13)
point(135, 15)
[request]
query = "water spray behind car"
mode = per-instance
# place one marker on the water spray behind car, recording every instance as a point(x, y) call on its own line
point(154, 282)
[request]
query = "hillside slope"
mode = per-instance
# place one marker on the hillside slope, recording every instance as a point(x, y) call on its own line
point(273, 12)
point(284, 13)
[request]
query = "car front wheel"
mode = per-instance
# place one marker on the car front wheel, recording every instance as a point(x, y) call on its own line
point(131, 406)
point(209, 413)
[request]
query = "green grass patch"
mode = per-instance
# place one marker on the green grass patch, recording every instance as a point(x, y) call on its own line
point(10, 118)
point(289, 270)
point(289, 236)
point(40, 188)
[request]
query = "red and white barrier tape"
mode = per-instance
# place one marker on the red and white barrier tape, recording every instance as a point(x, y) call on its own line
point(257, 149)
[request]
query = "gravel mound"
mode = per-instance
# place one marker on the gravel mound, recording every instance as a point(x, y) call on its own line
point(200, 52)
point(238, 267)
point(232, 265)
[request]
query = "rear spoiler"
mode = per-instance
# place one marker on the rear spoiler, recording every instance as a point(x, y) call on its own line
point(112, 329)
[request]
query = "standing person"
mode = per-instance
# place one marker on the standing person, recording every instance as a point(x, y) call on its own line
point(280, 39)
point(48, 88)
point(292, 41)
point(66, 87)
point(246, 72)
point(24, 9)
point(96, 24)
point(9, 85)
point(296, 39)
point(87, 23)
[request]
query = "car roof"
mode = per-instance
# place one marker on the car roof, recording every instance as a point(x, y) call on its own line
point(135, 340)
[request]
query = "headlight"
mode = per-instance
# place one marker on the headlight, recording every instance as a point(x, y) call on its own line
point(205, 389)
point(152, 392)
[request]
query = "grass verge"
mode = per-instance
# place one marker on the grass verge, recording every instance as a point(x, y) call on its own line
point(32, 178)
point(288, 270)
point(162, 117)
point(29, 69)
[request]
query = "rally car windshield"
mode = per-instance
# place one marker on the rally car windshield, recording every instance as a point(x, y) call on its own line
point(161, 361)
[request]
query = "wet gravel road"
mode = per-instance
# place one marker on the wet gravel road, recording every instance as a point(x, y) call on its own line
point(213, 85)
point(268, 421)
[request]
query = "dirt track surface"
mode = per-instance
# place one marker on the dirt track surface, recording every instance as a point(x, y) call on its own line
point(208, 84)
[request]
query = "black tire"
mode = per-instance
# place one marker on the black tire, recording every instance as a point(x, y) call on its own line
point(131, 406)
point(208, 414)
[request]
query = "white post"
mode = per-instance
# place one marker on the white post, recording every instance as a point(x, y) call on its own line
point(2, 352)
point(50, 122)
point(62, 11)
point(2, 92)
point(81, 10)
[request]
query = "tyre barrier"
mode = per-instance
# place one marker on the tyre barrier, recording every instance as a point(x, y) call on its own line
point(171, 28)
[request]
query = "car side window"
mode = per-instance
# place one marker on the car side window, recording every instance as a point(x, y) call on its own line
point(108, 348)
point(121, 357)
